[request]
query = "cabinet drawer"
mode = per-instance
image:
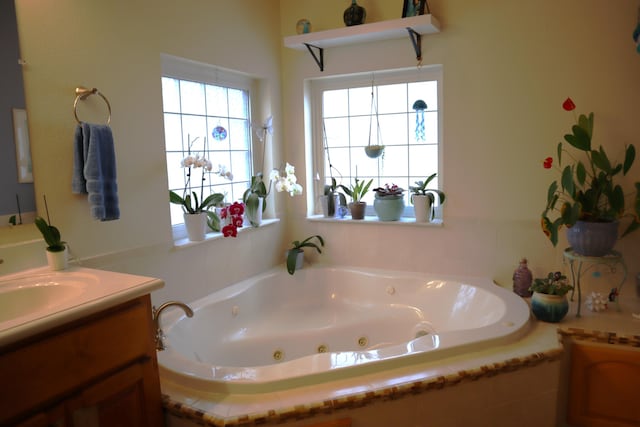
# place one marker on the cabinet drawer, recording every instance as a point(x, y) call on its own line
point(46, 367)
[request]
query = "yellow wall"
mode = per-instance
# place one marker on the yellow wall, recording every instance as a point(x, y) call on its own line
point(507, 68)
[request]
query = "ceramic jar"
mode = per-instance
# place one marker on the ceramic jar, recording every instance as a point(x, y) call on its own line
point(389, 208)
point(549, 308)
point(354, 14)
point(592, 238)
point(196, 225)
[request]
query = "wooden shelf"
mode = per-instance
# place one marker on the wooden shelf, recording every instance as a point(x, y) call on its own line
point(384, 30)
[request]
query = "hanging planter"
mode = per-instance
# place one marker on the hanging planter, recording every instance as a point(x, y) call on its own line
point(374, 151)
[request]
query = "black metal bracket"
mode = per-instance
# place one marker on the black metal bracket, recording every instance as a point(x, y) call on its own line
point(416, 40)
point(319, 58)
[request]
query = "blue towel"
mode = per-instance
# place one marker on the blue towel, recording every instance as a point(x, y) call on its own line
point(94, 170)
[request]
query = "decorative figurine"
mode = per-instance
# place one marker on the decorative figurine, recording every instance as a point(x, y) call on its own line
point(522, 279)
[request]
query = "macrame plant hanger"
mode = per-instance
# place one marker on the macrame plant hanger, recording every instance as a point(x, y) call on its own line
point(374, 150)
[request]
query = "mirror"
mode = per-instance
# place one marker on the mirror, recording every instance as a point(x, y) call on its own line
point(16, 183)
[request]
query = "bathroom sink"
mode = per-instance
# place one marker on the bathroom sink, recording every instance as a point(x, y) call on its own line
point(29, 295)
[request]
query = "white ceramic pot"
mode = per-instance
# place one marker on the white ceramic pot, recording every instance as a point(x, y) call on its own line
point(255, 218)
point(196, 225)
point(58, 260)
point(423, 208)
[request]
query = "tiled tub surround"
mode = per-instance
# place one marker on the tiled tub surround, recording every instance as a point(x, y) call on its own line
point(276, 331)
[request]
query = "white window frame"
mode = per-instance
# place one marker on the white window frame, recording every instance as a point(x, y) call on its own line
point(317, 86)
point(185, 69)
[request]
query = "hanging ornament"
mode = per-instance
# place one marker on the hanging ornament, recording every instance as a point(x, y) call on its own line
point(420, 106)
point(219, 133)
point(374, 151)
point(261, 130)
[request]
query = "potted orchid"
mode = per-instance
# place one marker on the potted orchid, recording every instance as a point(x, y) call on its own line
point(295, 255)
point(255, 196)
point(357, 191)
point(587, 197)
point(389, 202)
point(423, 199)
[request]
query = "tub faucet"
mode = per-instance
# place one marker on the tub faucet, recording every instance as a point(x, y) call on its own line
point(156, 320)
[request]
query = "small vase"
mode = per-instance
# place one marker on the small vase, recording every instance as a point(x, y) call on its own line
point(357, 209)
point(354, 14)
point(522, 279)
point(389, 208)
point(592, 238)
point(255, 218)
point(58, 260)
point(549, 308)
point(423, 208)
point(196, 225)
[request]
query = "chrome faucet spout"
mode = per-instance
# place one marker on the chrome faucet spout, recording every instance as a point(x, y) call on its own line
point(159, 338)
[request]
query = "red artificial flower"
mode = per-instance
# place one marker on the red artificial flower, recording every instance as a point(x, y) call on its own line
point(236, 208)
point(568, 105)
point(229, 230)
point(548, 162)
point(237, 220)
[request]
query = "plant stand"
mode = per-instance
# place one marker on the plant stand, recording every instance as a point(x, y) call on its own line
point(579, 265)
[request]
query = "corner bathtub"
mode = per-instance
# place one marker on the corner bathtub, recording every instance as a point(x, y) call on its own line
point(276, 331)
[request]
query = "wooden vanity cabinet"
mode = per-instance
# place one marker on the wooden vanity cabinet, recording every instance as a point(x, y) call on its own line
point(97, 371)
point(603, 385)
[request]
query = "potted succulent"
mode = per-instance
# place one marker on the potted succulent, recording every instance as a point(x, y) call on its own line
point(57, 253)
point(295, 255)
point(549, 301)
point(357, 191)
point(423, 199)
point(389, 202)
point(586, 199)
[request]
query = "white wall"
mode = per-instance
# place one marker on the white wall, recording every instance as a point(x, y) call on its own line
point(507, 68)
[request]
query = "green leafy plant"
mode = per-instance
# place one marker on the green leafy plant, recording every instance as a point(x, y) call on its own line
point(257, 189)
point(421, 189)
point(586, 190)
point(357, 190)
point(554, 284)
point(298, 246)
point(51, 235)
point(330, 191)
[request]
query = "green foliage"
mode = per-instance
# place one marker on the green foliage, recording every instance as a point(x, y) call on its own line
point(256, 190)
point(357, 190)
point(51, 235)
point(587, 190)
point(554, 284)
point(292, 253)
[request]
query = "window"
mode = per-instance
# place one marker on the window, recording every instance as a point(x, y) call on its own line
point(352, 112)
point(206, 113)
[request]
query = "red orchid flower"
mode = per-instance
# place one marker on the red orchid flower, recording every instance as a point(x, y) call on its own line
point(229, 230)
point(223, 212)
point(236, 208)
point(548, 162)
point(236, 220)
point(568, 105)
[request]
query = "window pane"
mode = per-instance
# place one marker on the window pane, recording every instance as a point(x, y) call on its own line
point(336, 132)
point(392, 99)
point(238, 104)
point(194, 131)
point(423, 161)
point(393, 128)
point(172, 132)
point(239, 134)
point(170, 95)
point(360, 101)
point(192, 97)
point(217, 104)
point(336, 103)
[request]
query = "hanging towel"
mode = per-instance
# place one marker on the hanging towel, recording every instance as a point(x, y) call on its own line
point(94, 170)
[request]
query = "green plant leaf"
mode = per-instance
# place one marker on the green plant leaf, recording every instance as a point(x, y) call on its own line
point(567, 180)
point(601, 160)
point(629, 157)
point(292, 255)
point(586, 123)
point(551, 194)
point(579, 139)
point(559, 150)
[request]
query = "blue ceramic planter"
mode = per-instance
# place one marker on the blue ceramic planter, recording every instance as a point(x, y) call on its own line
point(389, 208)
point(549, 308)
point(593, 238)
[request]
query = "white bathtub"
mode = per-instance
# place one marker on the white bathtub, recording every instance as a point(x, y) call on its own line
point(277, 331)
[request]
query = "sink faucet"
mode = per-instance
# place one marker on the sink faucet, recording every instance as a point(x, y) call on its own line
point(156, 320)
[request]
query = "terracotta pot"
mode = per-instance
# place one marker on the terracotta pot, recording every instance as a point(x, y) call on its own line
point(357, 209)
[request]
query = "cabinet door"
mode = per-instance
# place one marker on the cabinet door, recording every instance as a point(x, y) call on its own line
point(603, 390)
point(121, 400)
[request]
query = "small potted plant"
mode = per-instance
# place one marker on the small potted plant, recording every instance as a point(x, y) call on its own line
point(423, 199)
point(56, 248)
point(586, 199)
point(357, 191)
point(332, 199)
point(549, 301)
point(255, 199)
point(389, 202)
point(295, 255)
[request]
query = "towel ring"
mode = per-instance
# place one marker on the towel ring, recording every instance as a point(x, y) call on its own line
point(83, 93)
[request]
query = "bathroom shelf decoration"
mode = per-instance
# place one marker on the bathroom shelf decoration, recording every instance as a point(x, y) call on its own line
point(414, 26)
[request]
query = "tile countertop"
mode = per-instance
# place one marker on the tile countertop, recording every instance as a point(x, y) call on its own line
point(94, 290)
point(612, 321)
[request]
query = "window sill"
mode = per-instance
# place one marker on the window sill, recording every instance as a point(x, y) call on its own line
point(186, 243)
point(404, 221)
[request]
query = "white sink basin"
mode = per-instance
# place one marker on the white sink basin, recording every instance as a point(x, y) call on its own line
point(28, 295)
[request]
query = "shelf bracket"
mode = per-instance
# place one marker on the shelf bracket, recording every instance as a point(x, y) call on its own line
point(319, 58)
point(416, 40)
